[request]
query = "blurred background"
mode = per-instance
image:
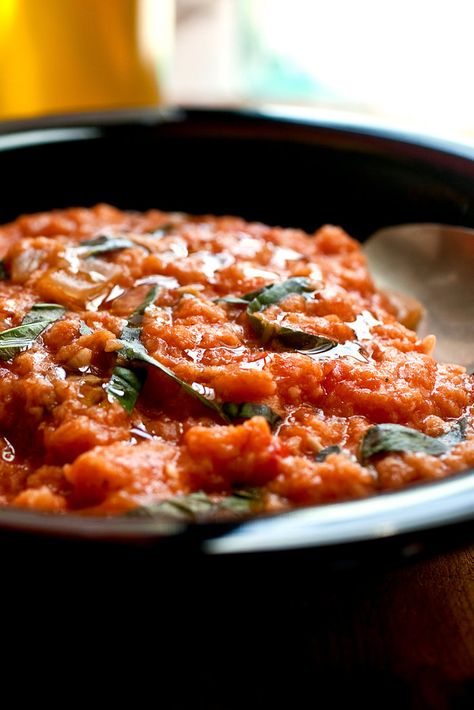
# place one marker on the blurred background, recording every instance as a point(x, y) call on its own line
point(408, 62)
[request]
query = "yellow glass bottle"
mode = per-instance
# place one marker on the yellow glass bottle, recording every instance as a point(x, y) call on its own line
point(67, 55)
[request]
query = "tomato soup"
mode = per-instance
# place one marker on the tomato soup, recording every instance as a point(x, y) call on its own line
point(162, 361)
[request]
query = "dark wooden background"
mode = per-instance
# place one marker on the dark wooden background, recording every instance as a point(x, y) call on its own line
point(266, 632)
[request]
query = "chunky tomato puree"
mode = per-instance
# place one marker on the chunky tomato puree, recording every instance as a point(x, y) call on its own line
point(170, 370)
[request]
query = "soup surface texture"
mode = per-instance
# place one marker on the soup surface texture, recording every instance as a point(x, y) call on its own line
point(220, 365)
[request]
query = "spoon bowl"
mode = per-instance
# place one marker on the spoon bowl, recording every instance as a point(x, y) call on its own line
point(433, 263)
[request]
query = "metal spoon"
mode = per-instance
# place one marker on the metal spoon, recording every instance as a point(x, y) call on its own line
point(433, 263)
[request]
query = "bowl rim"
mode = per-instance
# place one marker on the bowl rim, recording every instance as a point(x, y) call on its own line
point(25, 132)
point(423, 507)
point(389, 515)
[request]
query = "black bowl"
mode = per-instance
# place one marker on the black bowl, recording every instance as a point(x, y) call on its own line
point(282, 169)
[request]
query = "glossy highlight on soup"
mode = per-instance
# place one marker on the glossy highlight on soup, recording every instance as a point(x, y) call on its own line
point(204, 366)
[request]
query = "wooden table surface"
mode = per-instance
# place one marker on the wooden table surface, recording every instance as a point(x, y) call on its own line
point(235, 634)
point(402, 638)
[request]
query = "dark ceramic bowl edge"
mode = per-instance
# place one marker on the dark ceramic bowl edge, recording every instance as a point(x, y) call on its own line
point(298, 529)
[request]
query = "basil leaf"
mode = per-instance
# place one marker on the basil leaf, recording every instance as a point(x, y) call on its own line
point(43, 312)
point(14, 340)
point(136, 319)
point(163, 230)
point(3, 271)
point(84, 329)
point(243, 501)
point(189, 506)
point(383, 438)
point(299, 339)
point(274, 293)
point(324, 453)
point(268, 330)
point(292, 338)
point(247, 410)
point(269, 295)
point(134, 350)
point(234, 300)
point(196, 506)
point(125, 385)
point(102, 245)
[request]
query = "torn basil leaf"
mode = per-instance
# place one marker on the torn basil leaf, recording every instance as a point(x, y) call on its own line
point(324, 453)
point(269, 295)
point(274, 293)
point(43, 312)
point(242, 502)
point(383, 438)
point(300, 340)
point(132, 331)
point(189, 506)
point(84, 329)
point(136, 319)
point(3, 271)
point(134, 350)
point(269, 330)
point(197, 506)
point(233, 300)
point(163, 230)
point(292, 338)
point(102, 245)
point(125, 385)
point(15, 340)
point(247, 410)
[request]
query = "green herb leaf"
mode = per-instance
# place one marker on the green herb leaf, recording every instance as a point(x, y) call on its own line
point(134, 350)
point(268, 330)
point(197, 506)
point(274, 293)
point(84, 329)
point(383, 438)
point(15, 340)
point(3, 271)
point(102, 245)
point(234, 300)
point(324, 453)
point(247, 410)
point(243, 501)
point(296, 339)
point(163, 230)
point(125, 385)
point(43, 312)
point(190, 506)
point(136, 319)
point(269, 295)
point(292, 338)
